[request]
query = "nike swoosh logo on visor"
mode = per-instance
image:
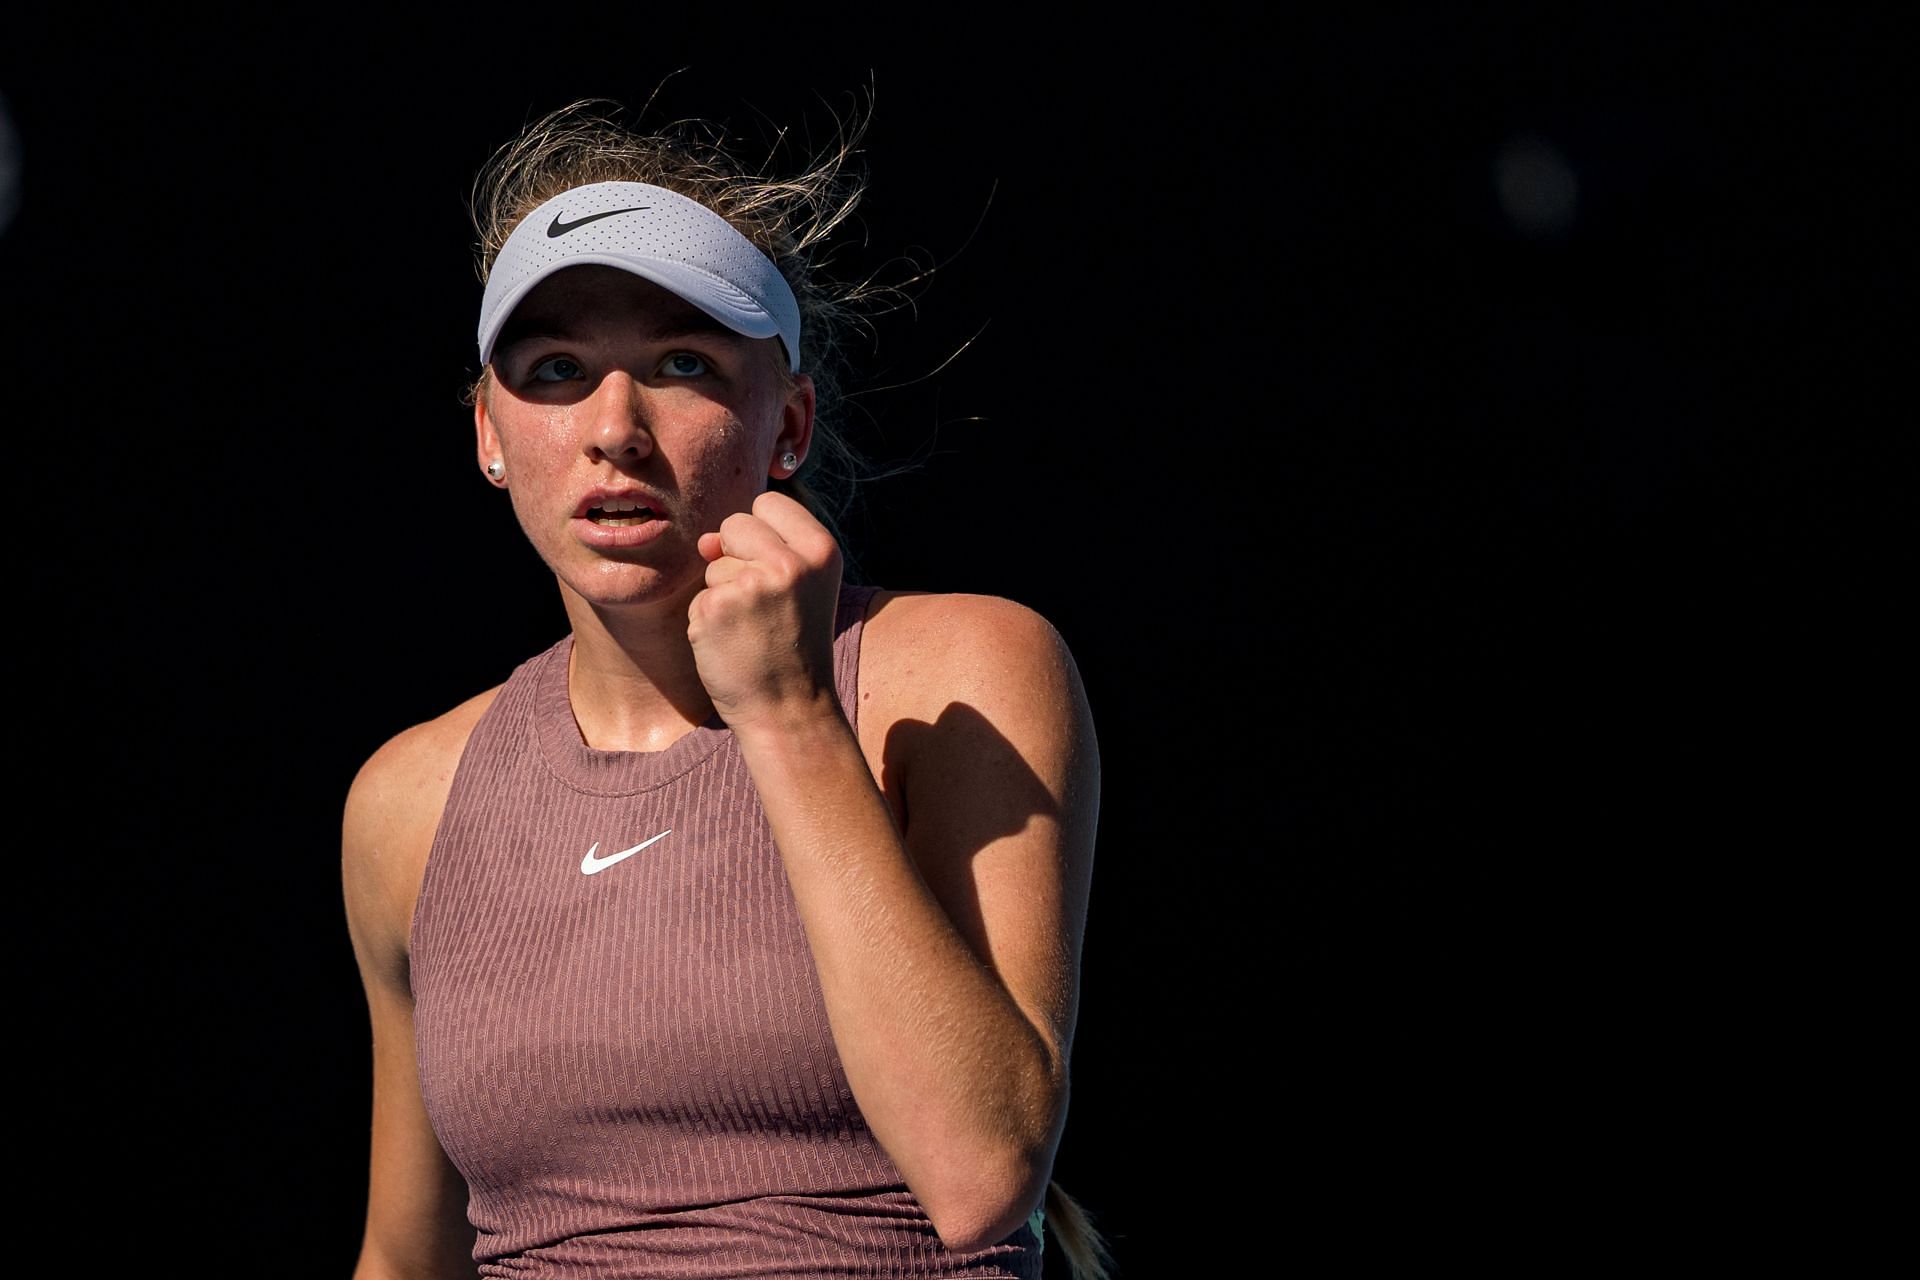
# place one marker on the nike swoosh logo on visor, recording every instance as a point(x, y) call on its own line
point(591, 864)
point(559, 228)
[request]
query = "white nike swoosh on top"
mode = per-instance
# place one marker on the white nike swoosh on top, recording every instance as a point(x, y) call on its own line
point(591, 864)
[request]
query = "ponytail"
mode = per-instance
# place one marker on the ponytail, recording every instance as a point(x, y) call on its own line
point(1085, 1248)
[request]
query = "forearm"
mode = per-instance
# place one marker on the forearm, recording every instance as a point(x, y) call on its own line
point(954, 1079)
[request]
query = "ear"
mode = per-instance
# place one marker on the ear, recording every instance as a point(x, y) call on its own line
point(796, 426)
point(486, 439)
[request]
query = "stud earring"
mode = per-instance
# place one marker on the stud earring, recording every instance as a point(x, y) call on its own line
point(496, 468)
point(790, 460)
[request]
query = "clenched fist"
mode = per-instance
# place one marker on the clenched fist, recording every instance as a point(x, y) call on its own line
point(762, 630)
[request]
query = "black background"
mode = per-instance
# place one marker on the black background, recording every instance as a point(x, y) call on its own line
point(1449, 595)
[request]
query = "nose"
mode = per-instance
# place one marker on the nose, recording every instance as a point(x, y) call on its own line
point(619, 425)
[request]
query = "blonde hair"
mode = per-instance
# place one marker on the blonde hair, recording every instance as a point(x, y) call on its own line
point(1087, 1254)
point(789, 219)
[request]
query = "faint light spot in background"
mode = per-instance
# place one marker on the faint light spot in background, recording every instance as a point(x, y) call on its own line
point(1537, 187)
point(9, 168)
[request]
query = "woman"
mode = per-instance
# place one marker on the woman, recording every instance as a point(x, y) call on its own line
point(737, 933)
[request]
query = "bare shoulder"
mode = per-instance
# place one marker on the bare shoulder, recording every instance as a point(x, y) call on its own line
point(937, 643)
point(392, 811)
point(930, 658)
point(388, 787)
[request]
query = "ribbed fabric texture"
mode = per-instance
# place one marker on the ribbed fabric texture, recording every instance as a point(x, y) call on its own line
point(633, 1068)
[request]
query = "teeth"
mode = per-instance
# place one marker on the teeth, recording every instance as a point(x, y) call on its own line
point(620, 512)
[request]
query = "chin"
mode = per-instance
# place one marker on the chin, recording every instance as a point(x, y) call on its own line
point(615, 585)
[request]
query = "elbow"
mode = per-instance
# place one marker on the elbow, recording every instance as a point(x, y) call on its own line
point(981, 1199)
point(992, 1207)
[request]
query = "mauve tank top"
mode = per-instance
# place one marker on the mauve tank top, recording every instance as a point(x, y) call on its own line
point(622, 1040)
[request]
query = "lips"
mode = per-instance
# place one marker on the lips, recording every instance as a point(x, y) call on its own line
point(617, 518)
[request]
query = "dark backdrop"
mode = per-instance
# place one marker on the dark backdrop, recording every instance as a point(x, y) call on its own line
point(1416, 426)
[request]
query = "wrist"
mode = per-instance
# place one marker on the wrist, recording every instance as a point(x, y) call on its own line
point(802, 724)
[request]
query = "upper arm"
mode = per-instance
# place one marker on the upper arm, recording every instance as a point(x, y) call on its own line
point(990, 760)
point(416, 1199)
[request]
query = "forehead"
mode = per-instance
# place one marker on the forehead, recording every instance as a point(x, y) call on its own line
point(577, 300)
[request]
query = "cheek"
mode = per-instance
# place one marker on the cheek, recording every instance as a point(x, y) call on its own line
point(531, 442)
point(533, 447)
point(719, 460)
point(722, 472)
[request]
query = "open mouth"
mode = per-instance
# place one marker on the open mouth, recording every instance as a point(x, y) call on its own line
point(618, 512)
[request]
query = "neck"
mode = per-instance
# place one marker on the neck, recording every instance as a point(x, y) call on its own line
point(632, 681)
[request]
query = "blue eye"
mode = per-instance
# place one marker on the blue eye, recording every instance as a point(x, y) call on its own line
point(683, 364)
point(563, 368)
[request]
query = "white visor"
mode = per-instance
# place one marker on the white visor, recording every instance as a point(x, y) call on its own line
point(660, 235)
